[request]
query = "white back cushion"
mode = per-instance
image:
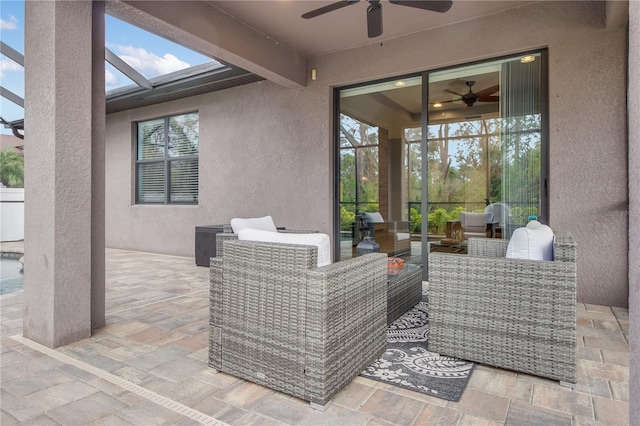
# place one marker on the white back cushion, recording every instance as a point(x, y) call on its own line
point(264, 223)
point(374, 217)
point(313, 239)
point(535, 242)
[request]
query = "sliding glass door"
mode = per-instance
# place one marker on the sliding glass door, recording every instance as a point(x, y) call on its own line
point(420, 149)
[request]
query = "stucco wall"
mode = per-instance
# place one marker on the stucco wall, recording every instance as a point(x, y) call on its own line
point(268, 150)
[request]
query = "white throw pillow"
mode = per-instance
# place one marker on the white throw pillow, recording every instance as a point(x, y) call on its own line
point(374, 217)
point(534, 242)
point(313, 239)
point(263, 223)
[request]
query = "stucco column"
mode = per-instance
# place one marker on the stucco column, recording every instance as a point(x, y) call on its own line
point(62, 109)
point(634, 210)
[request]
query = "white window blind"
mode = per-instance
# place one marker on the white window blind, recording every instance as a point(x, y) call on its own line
point(167, 160)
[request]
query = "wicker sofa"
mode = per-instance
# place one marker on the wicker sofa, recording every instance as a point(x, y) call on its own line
point(510, 313)
point(278, 320)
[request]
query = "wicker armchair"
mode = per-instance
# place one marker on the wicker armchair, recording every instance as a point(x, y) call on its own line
point(227, 234)
point(509, 313)
point(278, 320)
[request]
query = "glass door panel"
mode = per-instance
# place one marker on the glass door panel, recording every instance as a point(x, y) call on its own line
point(372, 166)
point(485, 137)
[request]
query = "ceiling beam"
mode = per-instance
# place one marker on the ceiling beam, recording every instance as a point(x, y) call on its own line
point(126, 69)
point(617, 13)
point(206, 29)
point(11, 53)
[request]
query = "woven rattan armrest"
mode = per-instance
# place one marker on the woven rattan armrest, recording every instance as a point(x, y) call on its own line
point(278, 320)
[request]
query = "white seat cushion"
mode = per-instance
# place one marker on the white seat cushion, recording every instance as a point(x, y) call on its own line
point(534, 242)
point(317, 239)
point(401, 236)
point(263, 223)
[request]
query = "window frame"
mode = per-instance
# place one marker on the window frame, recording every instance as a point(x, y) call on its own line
point(166, 160)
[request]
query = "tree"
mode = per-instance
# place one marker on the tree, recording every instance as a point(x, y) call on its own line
point(11, 169)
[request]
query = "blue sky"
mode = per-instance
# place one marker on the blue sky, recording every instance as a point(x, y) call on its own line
point(149, 54)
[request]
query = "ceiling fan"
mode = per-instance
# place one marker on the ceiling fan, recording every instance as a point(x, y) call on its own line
point(470, 98)
point(374, 11)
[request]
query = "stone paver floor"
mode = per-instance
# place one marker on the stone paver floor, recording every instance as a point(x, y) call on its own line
point(147, 366)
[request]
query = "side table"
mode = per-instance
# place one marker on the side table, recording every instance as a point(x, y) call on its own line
point(206, 243)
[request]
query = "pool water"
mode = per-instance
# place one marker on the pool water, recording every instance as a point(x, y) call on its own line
point(11, 278)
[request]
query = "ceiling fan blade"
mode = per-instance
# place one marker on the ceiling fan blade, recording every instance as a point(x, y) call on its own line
point(328, 8)
point(487, 95)
point(453, 92)
point(440, 6)
point(374, 19)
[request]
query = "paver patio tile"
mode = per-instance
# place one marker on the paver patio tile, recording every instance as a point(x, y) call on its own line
point(469, 420)
point(195, 342)
point(620, 391)
point(601, 333)
point(219, 380)
point(158, 357)
point(283, 409)
point(616, 357)
point(598, 308)
point(28, 367)
point(591, 354)
point(34, 383)
point(612, 343)
point(421, 397)
point(526, 414)
point(432, 414)
point(38, 403)
point(111, 420)
point(620, 313)
point(605, 315)
point(87, 410)
point(483, 404)
point(392, 407)
point(490, 380)
point(178, 369)
point(216, 408)
point(562, 399)
point(594, 386)
point(148, 333)
point(170, 337)
point(353, 395)
point(611, 372)
point(147, 413)
point(614, 412)
point(244, 394)
point(335, 415)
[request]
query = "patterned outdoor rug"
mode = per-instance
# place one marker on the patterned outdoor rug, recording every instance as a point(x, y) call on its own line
point(408, 364)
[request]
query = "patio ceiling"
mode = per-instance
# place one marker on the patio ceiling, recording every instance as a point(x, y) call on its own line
point(270, 40)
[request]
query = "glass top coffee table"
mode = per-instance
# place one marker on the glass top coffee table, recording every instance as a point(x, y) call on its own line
point(404, 290)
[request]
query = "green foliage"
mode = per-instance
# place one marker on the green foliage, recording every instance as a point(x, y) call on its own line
point(455, 214)
point(346, 219)
point(11, 169)
point(520, 215)
point(438, 221)
point(415, 217)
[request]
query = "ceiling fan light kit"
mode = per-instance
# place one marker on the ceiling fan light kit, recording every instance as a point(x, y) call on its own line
point(374, 10)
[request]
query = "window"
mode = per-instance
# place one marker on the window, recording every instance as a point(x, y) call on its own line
point(167, 160)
